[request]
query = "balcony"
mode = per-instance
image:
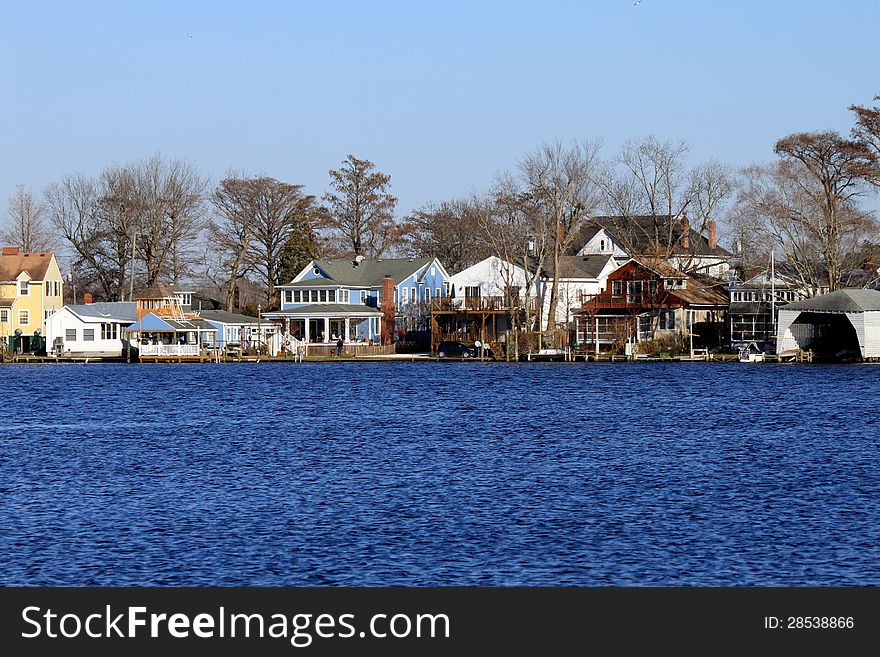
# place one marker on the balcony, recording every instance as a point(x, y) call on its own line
point(479, 304)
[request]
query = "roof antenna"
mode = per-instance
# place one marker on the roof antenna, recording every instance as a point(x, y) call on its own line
point(358, 259)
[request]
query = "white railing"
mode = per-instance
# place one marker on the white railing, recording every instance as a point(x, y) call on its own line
point(169, 350)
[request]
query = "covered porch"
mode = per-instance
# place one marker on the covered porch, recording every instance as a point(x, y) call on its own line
point(327, 323)
point(163, 337)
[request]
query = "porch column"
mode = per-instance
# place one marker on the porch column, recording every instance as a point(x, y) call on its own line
point(347, 331)
point(326, 329)
point(287, 325)
point(596, 335)
point(306, 332)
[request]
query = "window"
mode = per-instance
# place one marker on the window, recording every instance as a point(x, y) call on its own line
point(24, 317)
point(346, 296)
point(108, 331)
point(617, 288)
point(331, 296)
point(296, 296)
point(602, 245)
point(48, 288)
point(323, 296)
point(427, 295)
point(667, 320)
point(4, 315)
point(634, 291)
point(89, 335)
point(472, 291)
point(70, 335)
point(57, 288)
point(436, 292)
point(23, 288)
point(288, 296)
point(379, 297)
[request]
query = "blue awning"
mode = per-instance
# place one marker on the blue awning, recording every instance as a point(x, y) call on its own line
point(151, 322)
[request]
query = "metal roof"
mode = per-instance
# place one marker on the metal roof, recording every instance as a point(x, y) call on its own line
point(853, 300)
point(323, 309)
point(120, 311)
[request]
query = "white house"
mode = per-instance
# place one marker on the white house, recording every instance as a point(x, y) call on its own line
point(241, 330)
point(580, 278)
point(93, 329)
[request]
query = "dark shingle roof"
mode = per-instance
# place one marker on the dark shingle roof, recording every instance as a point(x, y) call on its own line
point(578, 266)
point(224, 317)
point(638, 234)
point(854, 300)
point(369, 272)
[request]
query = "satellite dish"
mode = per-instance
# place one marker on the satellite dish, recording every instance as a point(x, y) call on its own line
point(359, 258)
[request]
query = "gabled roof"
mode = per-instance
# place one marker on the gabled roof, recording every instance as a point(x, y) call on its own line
point(370, 271)
point(120, 311)
point(639, 232)
point(35, 264)
point(589, 266)
point(157, 291)
point(855, 300)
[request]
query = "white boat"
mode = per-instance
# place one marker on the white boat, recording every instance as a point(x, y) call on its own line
point(751, 354)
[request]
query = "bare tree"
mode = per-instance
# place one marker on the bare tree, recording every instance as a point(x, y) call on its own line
point(561, 181)
point(232, 231)
point(816, 225)
point(361, 220)
point(518, 233)
point(657, 198)
point(73, 210)
point(26, 227)
point(259, 219)
point(450, 231)
point(867, 131)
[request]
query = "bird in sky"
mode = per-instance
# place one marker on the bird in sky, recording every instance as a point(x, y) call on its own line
point(189, 36)
point(637, 2)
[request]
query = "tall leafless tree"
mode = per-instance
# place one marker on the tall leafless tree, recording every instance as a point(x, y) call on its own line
point(361, 220)
point(26, 225)
point(561, 180)
point(450, 230)
point(257, 219)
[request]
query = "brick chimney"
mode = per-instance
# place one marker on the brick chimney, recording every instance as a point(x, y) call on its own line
point(10, 250)
point(87, 298)
point(685, 232)
point(713, 233)
point(388, 311)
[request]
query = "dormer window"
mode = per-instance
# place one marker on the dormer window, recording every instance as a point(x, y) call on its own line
point(602, 245)
point(23, 288)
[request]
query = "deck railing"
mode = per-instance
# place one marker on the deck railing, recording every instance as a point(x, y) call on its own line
point(461, 304)
point(169, 350)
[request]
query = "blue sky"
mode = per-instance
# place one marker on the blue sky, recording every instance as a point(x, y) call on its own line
point(442, 96)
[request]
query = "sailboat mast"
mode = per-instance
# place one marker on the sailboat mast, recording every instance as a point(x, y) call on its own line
point(772, 292)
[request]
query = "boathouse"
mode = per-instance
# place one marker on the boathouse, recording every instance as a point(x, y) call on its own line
point(838, 325)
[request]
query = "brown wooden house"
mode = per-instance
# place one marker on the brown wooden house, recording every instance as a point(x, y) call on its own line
point(648, 299)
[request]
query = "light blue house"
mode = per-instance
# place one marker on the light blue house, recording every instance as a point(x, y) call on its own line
point(332, 299)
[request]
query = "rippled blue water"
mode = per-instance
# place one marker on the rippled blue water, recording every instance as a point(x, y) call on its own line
point(440, 474)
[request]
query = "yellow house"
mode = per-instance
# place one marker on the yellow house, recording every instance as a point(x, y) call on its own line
point(31, 289)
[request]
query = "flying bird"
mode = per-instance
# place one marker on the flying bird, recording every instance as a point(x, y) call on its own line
point(189, 36)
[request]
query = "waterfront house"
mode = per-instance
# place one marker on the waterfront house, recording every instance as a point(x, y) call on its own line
point(360, 300)
point(90, 329)
point(669, 237)
point(31, 289)
point(237, 330)
point(648, 299)
point(844, 324)
point(162, 328)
